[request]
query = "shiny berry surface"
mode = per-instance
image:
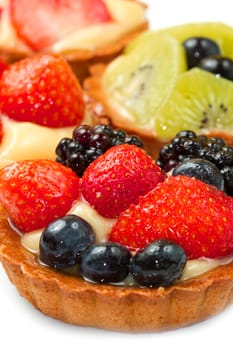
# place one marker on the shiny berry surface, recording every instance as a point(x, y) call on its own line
point(201, 169)
point(186, 145)
point(197, 48)
point(63, 241)
point(88, 143)
point(220, 66)
point(160, 263)
point(105, 263)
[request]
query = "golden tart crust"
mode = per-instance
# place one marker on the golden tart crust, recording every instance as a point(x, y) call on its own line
point(73, 300)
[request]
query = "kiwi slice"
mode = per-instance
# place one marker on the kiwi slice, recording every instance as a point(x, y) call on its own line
point(221, 33)
point(138, 82)
point(200, 101)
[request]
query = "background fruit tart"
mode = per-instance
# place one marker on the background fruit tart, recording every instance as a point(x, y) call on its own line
point(156, 87)
point(82, 31)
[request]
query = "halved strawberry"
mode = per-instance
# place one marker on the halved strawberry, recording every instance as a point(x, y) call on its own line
point(42, 89)
point(40, 23)
point(118, 177)
point(197, 216)
point(3, 65)
point(1, 129)
point(36, 192)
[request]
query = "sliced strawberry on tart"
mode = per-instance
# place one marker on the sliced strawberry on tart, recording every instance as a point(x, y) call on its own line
point(195, 215)
point(36, 192)
point(64, 19)
point(82, 31)
point(118, 178)
point(40, 101)
point(3, 65)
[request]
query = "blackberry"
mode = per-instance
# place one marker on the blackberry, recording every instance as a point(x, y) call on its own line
point(88, 143)
point(187, 146)
point(227, 173)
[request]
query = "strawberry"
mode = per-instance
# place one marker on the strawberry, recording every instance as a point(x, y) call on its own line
point(1, 129)
point(197, 216)
point(36, 192)
point(3, 65)
point(40, 23)
point(118, 177)
point(42, 89)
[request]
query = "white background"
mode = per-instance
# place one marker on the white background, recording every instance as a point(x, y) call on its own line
point(23, 327)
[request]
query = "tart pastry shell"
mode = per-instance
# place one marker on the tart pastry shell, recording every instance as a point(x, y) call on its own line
point(119, 308)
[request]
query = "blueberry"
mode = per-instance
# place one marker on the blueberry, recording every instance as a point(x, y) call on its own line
point(63, 241)
point(160, 263)
point(197, 48)
point(220, 66)
point(201, 169)
point(105, 263)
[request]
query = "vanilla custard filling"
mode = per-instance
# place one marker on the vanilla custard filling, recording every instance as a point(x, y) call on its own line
point(127, 15)
point(25, 140)
point(102, 227)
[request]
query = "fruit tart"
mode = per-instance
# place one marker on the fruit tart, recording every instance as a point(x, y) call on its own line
point(41, 101)
point(168, 80)
point(83, 32)
point(124, 242)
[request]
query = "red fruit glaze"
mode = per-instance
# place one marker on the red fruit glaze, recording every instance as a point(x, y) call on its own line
point(36, 192)
point(3, 65)
point(42, 89)
point(40, 23)
point(197, 216)
point(117, 178)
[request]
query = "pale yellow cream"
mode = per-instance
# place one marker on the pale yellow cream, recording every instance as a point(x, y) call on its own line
point(25, 140)
point(127, 16)
point(102, 226)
